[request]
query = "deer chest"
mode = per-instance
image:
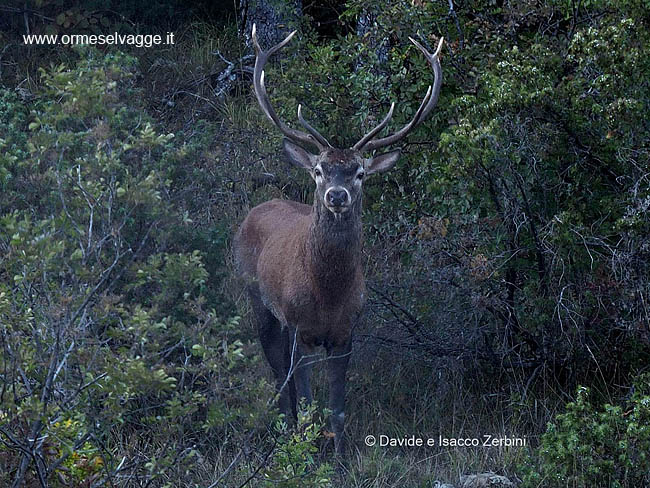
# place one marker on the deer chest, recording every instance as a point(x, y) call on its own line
point(321, 323)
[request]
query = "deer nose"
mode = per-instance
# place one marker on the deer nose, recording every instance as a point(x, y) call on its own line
point(336, 197)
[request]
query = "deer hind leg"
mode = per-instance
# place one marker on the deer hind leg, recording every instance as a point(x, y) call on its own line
point(337, 366)
point(276, 345)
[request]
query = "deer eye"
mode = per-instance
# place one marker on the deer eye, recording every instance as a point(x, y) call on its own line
point(317, 172)
point(361, 175)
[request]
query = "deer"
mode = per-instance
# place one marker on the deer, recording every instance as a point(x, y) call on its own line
point(302, 264)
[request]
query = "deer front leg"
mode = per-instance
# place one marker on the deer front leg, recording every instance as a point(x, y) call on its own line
point(301, 366)
point(303, 377)
point(337, 366)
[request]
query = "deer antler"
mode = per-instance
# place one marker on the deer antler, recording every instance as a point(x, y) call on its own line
point(262, 57)
point(367, 142)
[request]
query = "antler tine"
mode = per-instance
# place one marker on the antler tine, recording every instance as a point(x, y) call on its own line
point(275, 48)
point(262, 96)
point(364, 140)
point(430, 100)
point(310, 129)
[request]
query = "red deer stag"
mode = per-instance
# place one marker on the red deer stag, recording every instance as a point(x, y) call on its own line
point(302, 263)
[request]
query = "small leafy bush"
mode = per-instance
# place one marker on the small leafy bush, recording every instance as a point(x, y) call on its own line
point(591, 446)
point(120, 352)
point(293, 464)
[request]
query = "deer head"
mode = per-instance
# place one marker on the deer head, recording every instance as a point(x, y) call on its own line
point(339, 173)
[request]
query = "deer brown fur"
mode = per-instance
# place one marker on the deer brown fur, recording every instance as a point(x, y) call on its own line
point(302, 263)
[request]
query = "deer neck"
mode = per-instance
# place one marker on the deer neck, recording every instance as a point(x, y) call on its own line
point(334, 248)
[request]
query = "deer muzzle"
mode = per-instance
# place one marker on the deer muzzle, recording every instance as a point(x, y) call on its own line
point(337, 199)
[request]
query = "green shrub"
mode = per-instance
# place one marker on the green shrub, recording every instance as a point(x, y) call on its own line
point(592, 445)
point(293, 464)
point(120, 363)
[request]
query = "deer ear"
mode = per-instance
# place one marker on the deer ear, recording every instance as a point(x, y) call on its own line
point(297, 155)
point(383, 162)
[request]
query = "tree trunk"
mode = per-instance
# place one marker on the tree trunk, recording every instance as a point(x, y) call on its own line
point(366, 27)
point(274, 19)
